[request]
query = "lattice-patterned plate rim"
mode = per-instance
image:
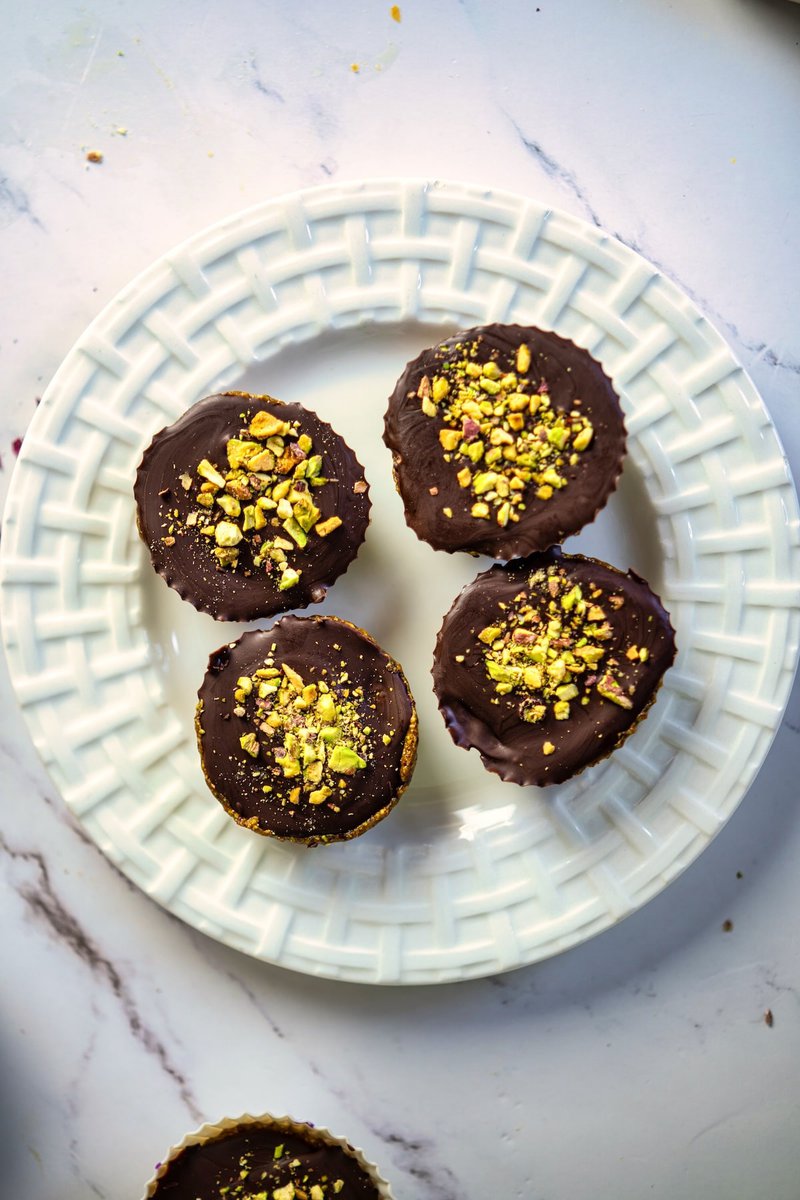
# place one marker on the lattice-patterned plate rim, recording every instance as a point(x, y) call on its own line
point(462, 882)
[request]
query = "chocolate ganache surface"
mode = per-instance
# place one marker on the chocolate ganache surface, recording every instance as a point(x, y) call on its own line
point(249, 506)
point(254, 1162)
point(505, 440)
point(545, 665)
point(307, 731)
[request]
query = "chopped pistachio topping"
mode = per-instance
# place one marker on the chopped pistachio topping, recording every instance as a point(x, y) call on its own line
point(302, 1180)
point(265, 495)
point(313, 733)
point(550, 648)
point(499, 429)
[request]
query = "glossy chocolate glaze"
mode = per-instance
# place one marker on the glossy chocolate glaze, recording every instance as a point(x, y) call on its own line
point(189, 566)
point(307, 645)
point(509, 746)
point(413, 438)
point(241, 1165)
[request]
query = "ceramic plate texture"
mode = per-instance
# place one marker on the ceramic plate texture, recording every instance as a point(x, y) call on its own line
point(322, 297)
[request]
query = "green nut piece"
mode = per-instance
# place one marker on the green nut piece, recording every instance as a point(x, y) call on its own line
point(289, 579)
point(583, 439)
point(558, 436)
point(229, 505)
point(296, 531)
point(249, 743)
point(323, 528)
point(306, 512)
point(503, 674)
point(227, 534)
point(264, 425)
point(210, 472)
point(483, 482)
point(489, 634)
point(344, 760)
point(326, 709)
point(240, 452)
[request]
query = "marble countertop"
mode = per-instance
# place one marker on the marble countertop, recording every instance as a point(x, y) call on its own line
point(640, 1064)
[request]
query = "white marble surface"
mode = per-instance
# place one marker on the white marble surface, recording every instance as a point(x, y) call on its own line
point(638, 1065)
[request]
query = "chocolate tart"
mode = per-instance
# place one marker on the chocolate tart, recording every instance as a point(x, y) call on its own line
point(249, 506)
point(261, 1158)
point(307, 731)
point(547, 664)
point(506, 439)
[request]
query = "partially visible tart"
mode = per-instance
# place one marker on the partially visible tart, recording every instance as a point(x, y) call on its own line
point(249, 506)
point(506, 439)
point(307, 731)
point(547, 664)
point(266, 1158)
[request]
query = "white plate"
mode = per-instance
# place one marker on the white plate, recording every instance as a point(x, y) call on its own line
point(321, 297)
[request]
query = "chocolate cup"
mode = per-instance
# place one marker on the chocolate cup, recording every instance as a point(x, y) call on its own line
point(413, 439)
point(477, 716)
point(209, 1159)
point(189, 566)
point(307, 644)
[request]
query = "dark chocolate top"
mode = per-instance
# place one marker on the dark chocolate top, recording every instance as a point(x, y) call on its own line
point(251, 1162)
point(546, 664)
point(515, 402)
point(307, 731)
point(283, 535)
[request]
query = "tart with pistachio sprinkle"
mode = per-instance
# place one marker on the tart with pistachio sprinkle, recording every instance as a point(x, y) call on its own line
point(307, 731)
point(505, 440)
point(266, 1158)
point(547, 664)
point(249, 506)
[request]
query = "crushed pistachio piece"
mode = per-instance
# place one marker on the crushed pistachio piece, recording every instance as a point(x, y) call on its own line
point(325, 527)
point(227, 534)
point(344, 760)
point(440, 388)
point(229, 505)
point(289, 579)
point(489, 634)
point(265, 425)
point(249, 743)
point(210, 472)
point(609, 688)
